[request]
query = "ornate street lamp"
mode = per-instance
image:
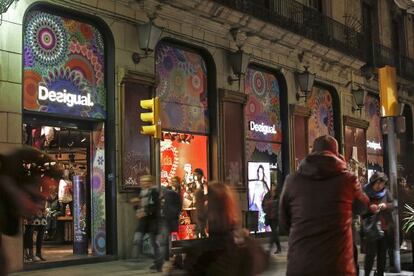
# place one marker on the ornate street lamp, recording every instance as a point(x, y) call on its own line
point(148, 37)
point(239, 61)
point(4, 5)
point(305, 80)
point(359, 95)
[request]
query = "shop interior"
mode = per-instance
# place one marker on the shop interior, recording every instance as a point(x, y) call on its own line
point(181, 155)
point(49, 235)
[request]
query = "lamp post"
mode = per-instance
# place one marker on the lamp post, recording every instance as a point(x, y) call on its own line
point(239, 61)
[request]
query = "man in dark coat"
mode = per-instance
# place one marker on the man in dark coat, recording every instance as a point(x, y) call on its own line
point(170, 212)
point(316, 209)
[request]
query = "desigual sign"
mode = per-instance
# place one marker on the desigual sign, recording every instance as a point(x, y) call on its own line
point(262, 128)
point(374, 145)
point(63, 97)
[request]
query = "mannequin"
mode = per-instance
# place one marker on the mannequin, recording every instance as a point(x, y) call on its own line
point(65, 193)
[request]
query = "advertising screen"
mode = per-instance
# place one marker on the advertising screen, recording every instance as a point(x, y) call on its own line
point(259, 185)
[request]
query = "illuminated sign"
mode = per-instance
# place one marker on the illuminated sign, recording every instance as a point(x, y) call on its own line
point(64, 97)
point(373, 145)
point(262, 128)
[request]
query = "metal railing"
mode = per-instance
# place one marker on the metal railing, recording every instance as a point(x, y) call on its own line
point(305, 21)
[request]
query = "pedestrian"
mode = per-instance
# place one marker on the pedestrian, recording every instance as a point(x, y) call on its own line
point(271, 209)
point(170, 203)
point(316, 209)
point(147, 207)
point(381, 204)
point(229, 250)
point(22, 172)
point(200, 194)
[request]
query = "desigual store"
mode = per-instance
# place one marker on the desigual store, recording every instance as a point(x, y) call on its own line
point(68, 113)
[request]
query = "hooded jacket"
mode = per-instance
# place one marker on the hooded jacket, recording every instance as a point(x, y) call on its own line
point(316, 209)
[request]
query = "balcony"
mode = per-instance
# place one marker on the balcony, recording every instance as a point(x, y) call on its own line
point(305, 21)
point(382, 55)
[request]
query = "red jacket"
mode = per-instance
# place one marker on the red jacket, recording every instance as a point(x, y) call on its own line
point(316, 209)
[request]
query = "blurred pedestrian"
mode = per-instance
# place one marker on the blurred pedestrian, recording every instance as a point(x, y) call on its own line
point(147, 207)
point(316, 209)
point(381, 204)
point(271, 209)
point(21, 174)
point(229, 250)
point(170, 203)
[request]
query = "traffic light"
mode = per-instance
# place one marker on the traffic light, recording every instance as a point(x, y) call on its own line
point(388, 91)
point(152, 117)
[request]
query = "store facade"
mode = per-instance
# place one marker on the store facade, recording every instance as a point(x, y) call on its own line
point(68, 113)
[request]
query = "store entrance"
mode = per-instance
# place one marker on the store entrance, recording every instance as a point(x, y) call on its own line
point(62, 231)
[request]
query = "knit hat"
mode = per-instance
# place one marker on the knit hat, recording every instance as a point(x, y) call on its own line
point(199, 171)
point(325, 143)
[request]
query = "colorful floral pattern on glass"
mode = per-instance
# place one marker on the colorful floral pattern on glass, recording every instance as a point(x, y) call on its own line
point(98, 193)
point(263, 105)
point(321, 121)
point(374, 135)
point(66, 58)
point(182, 88)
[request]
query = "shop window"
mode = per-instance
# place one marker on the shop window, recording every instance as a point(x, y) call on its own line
point(64, 84)
point(374, 135)
point(263, 138)
point(321, 121)
point(64, 65)
point(182, 88)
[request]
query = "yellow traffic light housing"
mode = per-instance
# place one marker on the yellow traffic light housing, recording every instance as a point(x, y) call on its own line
point(388, 91)
point(152, 117)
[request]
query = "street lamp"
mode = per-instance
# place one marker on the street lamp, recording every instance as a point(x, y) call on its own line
point(305, 80)
point(359, 95)
point(148, 37)
point(239, 61)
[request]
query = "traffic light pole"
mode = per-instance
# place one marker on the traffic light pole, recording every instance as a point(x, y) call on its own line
point(392, 167)
point(157, 152)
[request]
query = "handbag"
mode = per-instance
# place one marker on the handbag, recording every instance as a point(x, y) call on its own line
point(372, 228)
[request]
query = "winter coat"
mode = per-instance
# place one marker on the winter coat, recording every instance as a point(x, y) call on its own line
point(149, 223)
point(170, 208)
point(316, 208)
point(270, 206)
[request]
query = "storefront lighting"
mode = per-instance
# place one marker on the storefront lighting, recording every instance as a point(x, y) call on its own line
point(148, 37)
point(239, 61)
point(305, 80)
point(359, 95)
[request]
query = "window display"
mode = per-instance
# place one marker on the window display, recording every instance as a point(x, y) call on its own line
point(259, 186)
point(184, 159)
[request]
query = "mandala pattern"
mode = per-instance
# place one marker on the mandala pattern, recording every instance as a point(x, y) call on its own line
point(263, 105)
point(182, 88)
point(321, 121)
point(47, 37)
point(64, 52)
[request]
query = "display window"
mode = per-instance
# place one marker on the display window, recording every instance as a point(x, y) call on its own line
point(321, 121)
point(263, 140)
point(356, 152)
point(181, 155)
point(64, 112)
point(374, 136)
point(182, 89)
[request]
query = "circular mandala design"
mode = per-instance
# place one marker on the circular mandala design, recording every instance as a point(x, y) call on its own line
point(100, 243)
point(31, 83)
point(48, 39)
point(259, 84)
